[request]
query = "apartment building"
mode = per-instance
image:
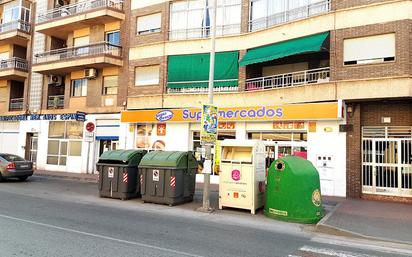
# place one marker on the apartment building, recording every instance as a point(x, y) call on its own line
point(326, 80)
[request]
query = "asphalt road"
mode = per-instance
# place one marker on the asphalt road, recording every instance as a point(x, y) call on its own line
point(54, 217)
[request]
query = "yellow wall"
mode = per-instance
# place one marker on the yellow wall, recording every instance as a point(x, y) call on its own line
point(77, 74)
point(110, 71)
point(112, 26)
point(144, 3)
point(81, 32)
point(359, 16)
point(5, 48)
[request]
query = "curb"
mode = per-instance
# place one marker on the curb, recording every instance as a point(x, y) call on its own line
point(321, 227)
point(62, 176)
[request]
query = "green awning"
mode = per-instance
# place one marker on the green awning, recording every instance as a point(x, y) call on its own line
point(189, 71)
point(301, 45)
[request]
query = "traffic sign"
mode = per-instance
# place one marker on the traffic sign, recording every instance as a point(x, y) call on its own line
point(90, 127)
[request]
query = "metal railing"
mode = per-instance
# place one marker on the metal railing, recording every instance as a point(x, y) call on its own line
point(201, 90)
point(204, 32)
point(15, 25)
point(80, 7)
point(78, 51)
point(14, 63)
point(320, 75)
point(16, 104)
point(290, 15)
point(55, 102)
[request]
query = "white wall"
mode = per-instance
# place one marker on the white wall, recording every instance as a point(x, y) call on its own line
point(329, 144)
point(177, 137)
point(9, 135)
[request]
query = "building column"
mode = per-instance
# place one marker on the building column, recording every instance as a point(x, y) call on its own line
point(353, 148)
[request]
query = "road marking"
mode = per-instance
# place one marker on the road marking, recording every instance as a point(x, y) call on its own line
point(331, 252)
point(100, 236)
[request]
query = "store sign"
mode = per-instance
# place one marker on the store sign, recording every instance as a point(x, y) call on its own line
point(208, 131)
point(24, 117)
point(288, 125)
point(80, 116)
point(227, 125)
point(316, 111)
point(161, 129)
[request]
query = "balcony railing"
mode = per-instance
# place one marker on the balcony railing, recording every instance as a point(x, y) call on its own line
point(290, 15)
point(201, 90)
point(16, 104)
point(14, 63)
point(289, 79)
point(79, 51)
point(55, 102)
point(205, 32)
point(80, 7)
point(15, 25)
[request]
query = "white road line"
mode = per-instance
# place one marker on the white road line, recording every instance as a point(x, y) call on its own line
point(100, 236)
point(331, 252)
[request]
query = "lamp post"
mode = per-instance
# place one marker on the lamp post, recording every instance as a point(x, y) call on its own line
point(208, 148)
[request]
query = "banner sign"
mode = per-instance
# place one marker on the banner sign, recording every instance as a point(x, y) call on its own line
point(208, 132)
point(301, 112)
point(24, 117)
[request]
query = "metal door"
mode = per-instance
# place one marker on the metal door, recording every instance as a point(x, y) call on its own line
point(387, 161)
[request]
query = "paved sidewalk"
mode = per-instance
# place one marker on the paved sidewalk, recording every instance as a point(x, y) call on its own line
point(68, 175)
point(370, 219)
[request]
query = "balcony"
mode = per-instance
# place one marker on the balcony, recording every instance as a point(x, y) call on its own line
point(13, 69)
point(55, 102)
point(205, 32)
point(16, 104)
point(293, 79)
point(15, 32)
point(61, 21)
point(201, 90)
point(290, 15)
point(64, 60)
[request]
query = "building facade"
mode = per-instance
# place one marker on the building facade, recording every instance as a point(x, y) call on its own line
point(326, 80)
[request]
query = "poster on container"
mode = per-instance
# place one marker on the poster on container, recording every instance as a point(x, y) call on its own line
point(209, 125)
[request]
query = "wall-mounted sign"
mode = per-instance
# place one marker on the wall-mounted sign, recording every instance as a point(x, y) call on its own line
point(80, 116)
point(227, 125)
point(24, 117)
point(289, 125)
point(161, 129)
point(300, 112)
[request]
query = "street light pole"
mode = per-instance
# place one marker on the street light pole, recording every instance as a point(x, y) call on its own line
point(206, 176)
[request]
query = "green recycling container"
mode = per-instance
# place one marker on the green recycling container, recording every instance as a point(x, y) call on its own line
point(293, 191)
point(168, 177)
point(118, 173)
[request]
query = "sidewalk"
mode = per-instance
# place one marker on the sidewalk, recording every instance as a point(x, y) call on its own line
point(370, 219)
point(347, 217)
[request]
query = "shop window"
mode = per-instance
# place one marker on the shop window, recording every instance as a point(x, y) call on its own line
point(149, 24)
point(147, 75)
point(144, 136)
point(110, 85)
point(373, 49)
point(278, 136)
point(64, 140)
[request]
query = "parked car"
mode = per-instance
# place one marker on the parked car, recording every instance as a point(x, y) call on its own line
point(13, 166)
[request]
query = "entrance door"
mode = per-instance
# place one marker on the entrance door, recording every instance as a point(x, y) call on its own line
point(387, 160)
point(107, 145)
point(31, 149)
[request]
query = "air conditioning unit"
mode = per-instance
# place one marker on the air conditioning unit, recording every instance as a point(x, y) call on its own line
point(90, 73)
point(55, 80)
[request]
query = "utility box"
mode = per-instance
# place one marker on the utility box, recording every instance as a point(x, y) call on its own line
point(118, 173)
point(242, 177)
point(293, 191)
point(168, 177)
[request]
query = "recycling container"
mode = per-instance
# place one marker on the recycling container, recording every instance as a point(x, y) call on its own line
point(118, 173)
point(242, 176)
point(168, 177)
point(293, 191)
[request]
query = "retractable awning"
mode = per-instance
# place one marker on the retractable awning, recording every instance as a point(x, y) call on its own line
point(188, 71)
point(312, 43)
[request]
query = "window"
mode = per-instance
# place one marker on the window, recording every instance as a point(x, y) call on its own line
point(110, 84)
point(147, 75)
point(149, 23)
point(191, 19)
point(373, 49)
point(79, 87)
point(81, 41)
point(65, 140)
point(267, 13)
point(113, 37)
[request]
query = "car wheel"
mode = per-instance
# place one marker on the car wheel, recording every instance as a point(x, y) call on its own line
point(1, 178)
point(23, 178)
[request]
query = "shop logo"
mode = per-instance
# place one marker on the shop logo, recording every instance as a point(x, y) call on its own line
point(164, 115)
point(316, 198)
point(236, 175)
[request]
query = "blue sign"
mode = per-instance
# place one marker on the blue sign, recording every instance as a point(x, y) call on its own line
point(164, 115)
point(24, 117)
point(80, 116)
